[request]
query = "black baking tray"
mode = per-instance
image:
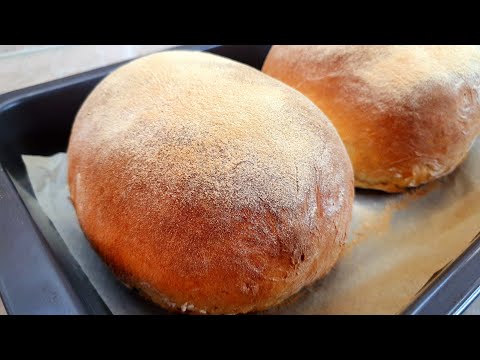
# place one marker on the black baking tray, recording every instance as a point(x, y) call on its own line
point(37, 273)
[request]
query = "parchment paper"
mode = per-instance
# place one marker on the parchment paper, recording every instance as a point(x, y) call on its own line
point(396, 242)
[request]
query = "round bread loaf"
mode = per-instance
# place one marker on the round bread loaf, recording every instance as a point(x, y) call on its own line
point(406, 114)
point(207, 185)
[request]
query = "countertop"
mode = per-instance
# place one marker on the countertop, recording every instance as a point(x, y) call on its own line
point(2, 309)
point(26, 65)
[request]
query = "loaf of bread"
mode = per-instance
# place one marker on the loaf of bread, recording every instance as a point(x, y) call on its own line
point(207, 185)
point(407, 114)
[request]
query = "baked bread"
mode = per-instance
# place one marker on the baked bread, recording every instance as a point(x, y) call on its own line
point(406, 114)
point(207, 185)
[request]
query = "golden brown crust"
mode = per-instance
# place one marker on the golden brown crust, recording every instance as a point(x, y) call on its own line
point(208, 185)
point(406, 114)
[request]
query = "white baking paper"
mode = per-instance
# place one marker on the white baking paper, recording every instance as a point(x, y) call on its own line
point(396, 242)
